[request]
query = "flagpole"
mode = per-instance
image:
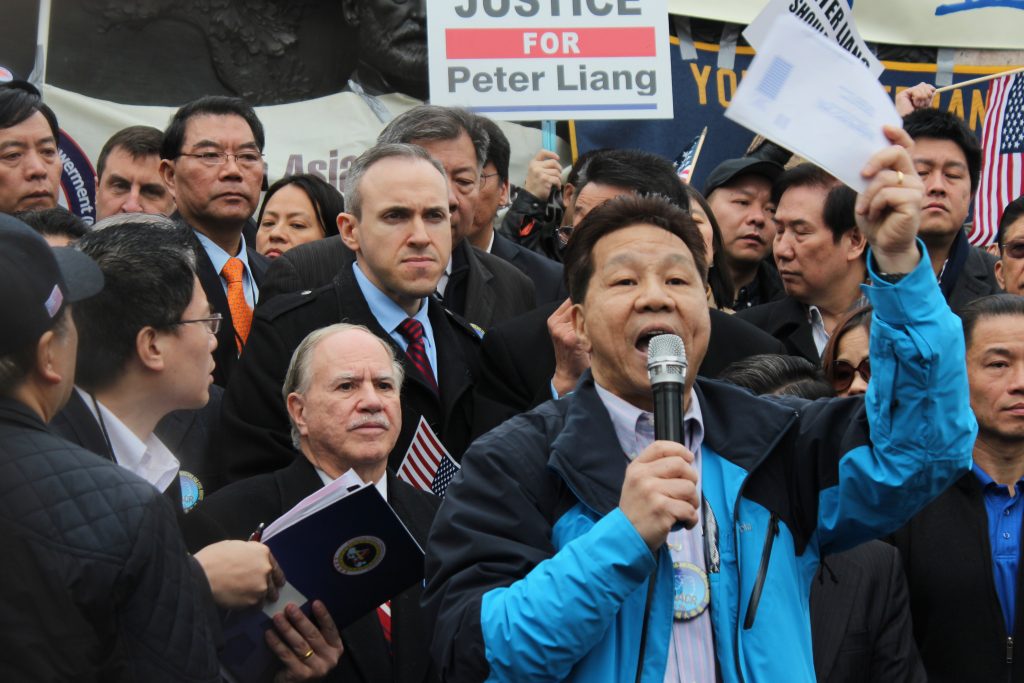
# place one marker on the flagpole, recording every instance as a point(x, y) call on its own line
point(38, 75)
point(700, 146)
point(982, 79)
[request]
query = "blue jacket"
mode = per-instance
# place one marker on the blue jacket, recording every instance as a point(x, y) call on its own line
point(535, 574)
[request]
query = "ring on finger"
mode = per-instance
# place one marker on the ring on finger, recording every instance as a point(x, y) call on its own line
point(309, 653)
point(899, 177)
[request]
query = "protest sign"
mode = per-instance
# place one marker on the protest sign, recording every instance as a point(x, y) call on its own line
point(528, 59)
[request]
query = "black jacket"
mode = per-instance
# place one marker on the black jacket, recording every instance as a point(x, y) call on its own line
point(977, 279)
point(255, 435)
point(494, 290)
point(109, 539)
point(235, 512)
point(786, 320)
point(517, 361)
point(226, 353)
point(860, 619)
point(545, 274)
point(958, 621)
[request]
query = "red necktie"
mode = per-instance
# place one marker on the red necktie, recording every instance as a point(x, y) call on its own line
point(384, 614)
point(241, 314)
point(412, 331)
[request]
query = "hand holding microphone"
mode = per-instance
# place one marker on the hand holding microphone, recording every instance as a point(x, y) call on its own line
point(660, 489)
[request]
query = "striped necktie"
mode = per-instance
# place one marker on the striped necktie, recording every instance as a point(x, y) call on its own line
point(412, 331)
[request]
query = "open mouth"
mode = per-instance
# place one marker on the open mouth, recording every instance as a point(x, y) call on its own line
point(644, 340)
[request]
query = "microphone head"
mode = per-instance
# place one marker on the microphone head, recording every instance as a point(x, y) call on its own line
point(666, 359)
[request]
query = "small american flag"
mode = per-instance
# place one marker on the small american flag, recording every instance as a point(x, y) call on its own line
point(687, 159)
point(1002, 141)
point(427, 465)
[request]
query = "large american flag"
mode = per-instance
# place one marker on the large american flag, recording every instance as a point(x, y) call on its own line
point(1002, 140)
point(427, 465)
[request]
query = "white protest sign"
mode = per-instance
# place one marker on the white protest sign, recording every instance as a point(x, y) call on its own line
point(518, 60)
point(805, 93)
point(832, 18)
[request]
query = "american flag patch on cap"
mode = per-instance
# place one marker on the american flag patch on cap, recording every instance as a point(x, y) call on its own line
point(53, 303)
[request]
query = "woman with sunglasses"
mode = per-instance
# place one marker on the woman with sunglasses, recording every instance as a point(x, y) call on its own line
point(845, 360)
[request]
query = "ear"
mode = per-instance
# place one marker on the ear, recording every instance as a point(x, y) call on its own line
point(167, 175)
point(568, 193)
point(857, 244)
point(503, 195)
point(149, 349)
point(48, 363)
point(579, 325)
point(348, 228)
point(296, 405)
point(999, 275)
point(350, 12)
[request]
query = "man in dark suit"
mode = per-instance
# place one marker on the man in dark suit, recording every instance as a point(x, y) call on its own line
point(545, 274)
point(947, 156)
point(212, 162)
point(342, 387)
point(481, 288)
point(398, 227)
point(820, 253)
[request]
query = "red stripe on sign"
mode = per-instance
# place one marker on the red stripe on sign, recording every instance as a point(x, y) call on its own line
point(548, 43)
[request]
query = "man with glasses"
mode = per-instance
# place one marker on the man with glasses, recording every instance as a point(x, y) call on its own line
point(212, 162)
point(1010, 237)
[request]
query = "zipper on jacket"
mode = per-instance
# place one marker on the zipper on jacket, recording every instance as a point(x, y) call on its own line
point(1009, 649)
point(762, 572)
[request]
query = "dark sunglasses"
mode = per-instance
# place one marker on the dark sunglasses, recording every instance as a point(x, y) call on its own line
point(842, 373)
point(1014, 249)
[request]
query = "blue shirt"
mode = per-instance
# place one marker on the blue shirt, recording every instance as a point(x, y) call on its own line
point(218, 257)
point(1005, 515)
point(390, 315)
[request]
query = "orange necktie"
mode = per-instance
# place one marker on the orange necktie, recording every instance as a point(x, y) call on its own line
point(241, 314)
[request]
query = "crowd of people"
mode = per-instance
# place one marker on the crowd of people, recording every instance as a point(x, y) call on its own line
point(842, 506)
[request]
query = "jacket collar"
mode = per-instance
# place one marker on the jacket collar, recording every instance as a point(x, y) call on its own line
point(587, 457)
point(17, 413)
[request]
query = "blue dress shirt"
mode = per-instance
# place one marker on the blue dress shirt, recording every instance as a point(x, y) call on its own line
point(1005, 514)
point(390, 315)
point(218, 257)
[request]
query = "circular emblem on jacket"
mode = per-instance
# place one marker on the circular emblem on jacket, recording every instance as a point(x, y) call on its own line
point(191, 489)
point(359, 555)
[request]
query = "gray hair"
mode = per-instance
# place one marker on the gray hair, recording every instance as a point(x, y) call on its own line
point(297, 379)
point(379, 152)
point(148, 219)
point(430, 122)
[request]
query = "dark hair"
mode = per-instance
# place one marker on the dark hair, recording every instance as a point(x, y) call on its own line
point(139, 141)
point(57, 221)
point(498, 149)
point(632, 169)
point(942, 125)
point(211, 105)
point(989, 306)
point(429, 122)
point(722, 288)
point(769, 373)
point(326, 200)
point(578, 170)
point(859, 316)
point(19, 100)
point(623, 212)
point(148, 265)
point(1013, 211)
point(838, 212)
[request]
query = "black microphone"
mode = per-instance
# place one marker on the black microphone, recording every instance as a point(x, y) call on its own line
point(666, 366)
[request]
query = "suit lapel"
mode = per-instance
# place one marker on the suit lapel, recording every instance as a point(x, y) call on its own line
point(77, 420)
point(480, 296)
point(830, 613)
point(452, 373)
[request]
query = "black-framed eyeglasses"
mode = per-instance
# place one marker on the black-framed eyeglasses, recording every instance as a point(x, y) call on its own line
point(243, 159)
point(1014, 249)
point(212, 323)
point(843, 372)
point(485, 176)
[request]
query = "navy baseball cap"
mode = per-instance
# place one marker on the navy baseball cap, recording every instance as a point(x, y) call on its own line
point(37, 281)
point(730, 169)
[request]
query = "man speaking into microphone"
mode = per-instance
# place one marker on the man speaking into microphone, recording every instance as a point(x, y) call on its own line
point(574, 545)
